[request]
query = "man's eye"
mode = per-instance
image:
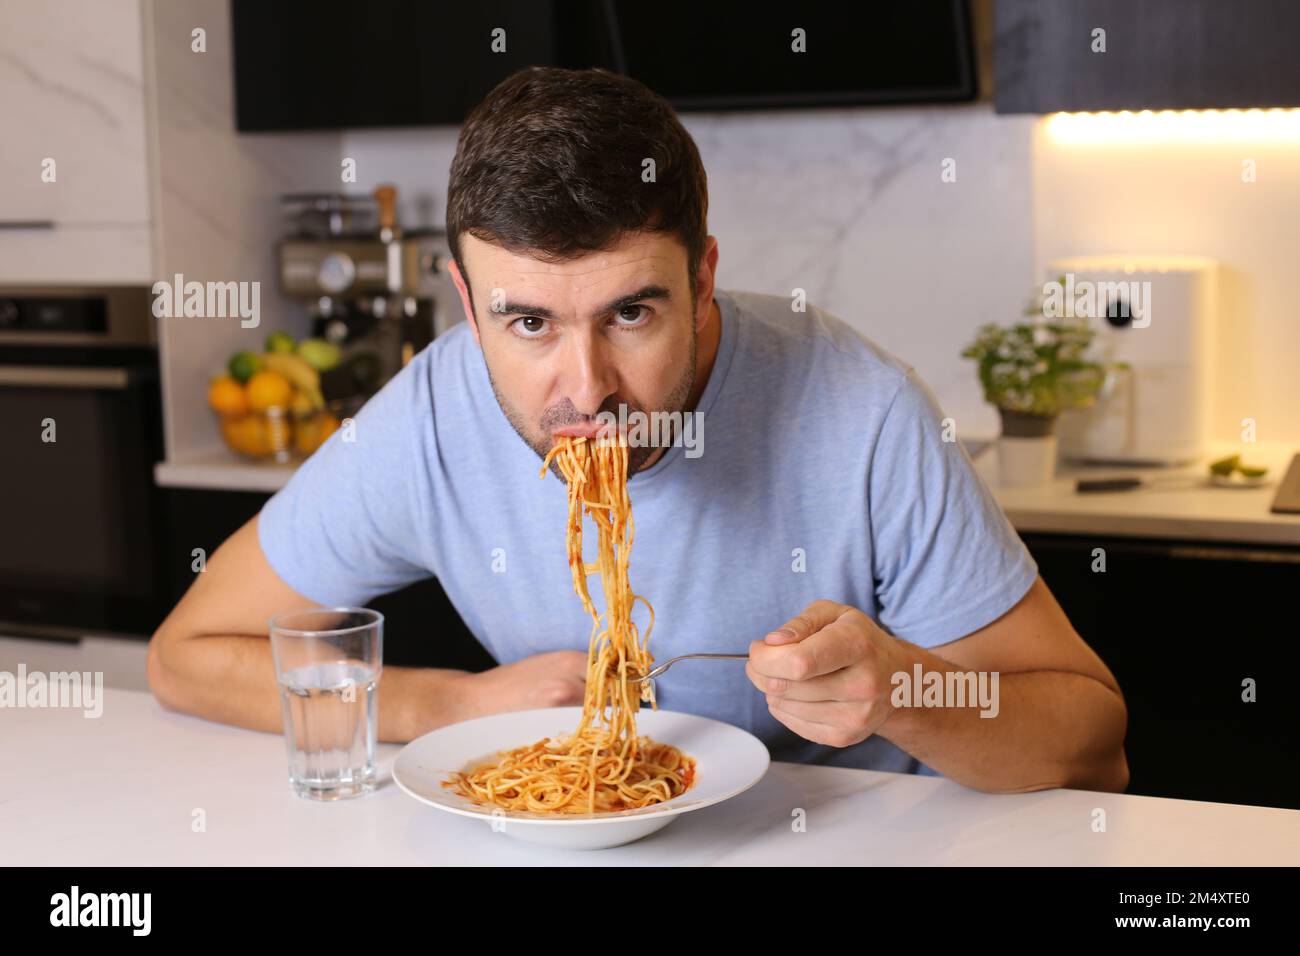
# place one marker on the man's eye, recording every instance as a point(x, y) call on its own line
point(529, 327)
point(636, 316)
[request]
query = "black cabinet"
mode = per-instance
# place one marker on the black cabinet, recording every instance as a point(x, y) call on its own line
point(421, 627)
point(1159, 54)
point(1182, 625)
point(335, 64)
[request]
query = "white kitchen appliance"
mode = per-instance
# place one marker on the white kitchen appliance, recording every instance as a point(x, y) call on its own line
point(1156, 313)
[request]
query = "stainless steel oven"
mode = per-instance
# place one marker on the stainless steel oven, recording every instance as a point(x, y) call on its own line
point(81, 519)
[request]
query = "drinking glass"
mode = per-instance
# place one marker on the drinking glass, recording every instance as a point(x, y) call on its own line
point(327, 663)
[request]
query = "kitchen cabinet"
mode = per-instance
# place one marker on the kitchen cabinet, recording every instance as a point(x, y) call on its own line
point(1160, 54)
point(439, 60)
point(74, 170)
point(1181, 624)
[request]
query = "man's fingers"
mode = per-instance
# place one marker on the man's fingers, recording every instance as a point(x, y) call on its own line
point(818, 733)
point(843, 684)
point(806, 623)
point(821, 723)
point(834, 644)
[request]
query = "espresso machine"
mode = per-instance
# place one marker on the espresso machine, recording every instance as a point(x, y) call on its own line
point(380, 294)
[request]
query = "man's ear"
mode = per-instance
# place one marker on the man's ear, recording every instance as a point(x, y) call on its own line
point(704, 282)
point(463, 289)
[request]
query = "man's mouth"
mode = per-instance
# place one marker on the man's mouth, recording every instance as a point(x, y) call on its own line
point(591, 429)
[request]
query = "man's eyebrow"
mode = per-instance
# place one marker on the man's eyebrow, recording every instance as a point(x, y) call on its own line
point(640, 295)
point(622, 302)
point(521, 308)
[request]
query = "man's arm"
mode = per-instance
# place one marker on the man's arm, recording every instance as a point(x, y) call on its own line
point(212, 655)
point(1061, 717)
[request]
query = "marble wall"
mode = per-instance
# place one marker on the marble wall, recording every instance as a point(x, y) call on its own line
point(217, 209)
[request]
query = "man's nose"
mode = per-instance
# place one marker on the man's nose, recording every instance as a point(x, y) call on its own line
point(590, 377)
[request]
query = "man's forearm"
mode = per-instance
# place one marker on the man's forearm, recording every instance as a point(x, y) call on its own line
point(1052, 729)
point(231, 679)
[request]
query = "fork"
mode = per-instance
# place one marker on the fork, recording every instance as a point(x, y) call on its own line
point(656, 671)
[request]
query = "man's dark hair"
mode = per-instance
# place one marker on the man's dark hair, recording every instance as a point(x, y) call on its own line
point(551, 165)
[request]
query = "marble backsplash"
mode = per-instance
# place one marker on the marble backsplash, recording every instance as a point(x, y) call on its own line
point(847, 204)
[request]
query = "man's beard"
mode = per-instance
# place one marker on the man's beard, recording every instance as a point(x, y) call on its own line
point(565, 414)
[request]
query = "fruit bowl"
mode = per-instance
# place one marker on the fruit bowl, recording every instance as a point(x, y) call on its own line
point(270, 406)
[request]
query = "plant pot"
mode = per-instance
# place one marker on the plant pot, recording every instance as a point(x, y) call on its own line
point(1026, 449)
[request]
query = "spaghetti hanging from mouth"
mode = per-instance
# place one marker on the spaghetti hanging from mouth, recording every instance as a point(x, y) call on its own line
point(603, 766)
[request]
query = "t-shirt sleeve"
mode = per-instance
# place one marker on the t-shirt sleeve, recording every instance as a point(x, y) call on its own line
point(346, 528)
point(946, 559)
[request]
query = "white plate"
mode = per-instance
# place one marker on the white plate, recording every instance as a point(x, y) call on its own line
point(728, 761)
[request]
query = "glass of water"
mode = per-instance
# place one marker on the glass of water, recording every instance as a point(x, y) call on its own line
point(328, 662)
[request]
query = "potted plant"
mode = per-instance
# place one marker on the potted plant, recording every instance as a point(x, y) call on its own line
point(1031, 372)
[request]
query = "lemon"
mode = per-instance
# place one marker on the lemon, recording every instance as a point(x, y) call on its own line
point(280, 342)
point(319, 354)
point(269, 390)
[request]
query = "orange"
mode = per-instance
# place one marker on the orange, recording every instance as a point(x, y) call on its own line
point(230, 431)
point(268, 389)
point(226, 396)
point(306, 434)
point(310, 433)
point(247, 434)
point(328, 425)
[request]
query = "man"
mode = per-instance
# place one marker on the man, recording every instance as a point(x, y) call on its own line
point(819, 521)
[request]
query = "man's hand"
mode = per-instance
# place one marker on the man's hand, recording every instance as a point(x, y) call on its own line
point(826, 673)
point(553, 679)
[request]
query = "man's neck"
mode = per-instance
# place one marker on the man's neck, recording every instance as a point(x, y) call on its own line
point(705, 353)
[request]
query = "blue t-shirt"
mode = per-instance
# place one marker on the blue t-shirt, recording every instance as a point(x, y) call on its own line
point(824, 473)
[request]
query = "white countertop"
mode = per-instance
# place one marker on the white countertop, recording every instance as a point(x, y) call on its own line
point(220, 469)
point(123, 789)
point(1183, 505)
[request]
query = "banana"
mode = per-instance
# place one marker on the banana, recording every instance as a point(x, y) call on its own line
point(303, 377)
